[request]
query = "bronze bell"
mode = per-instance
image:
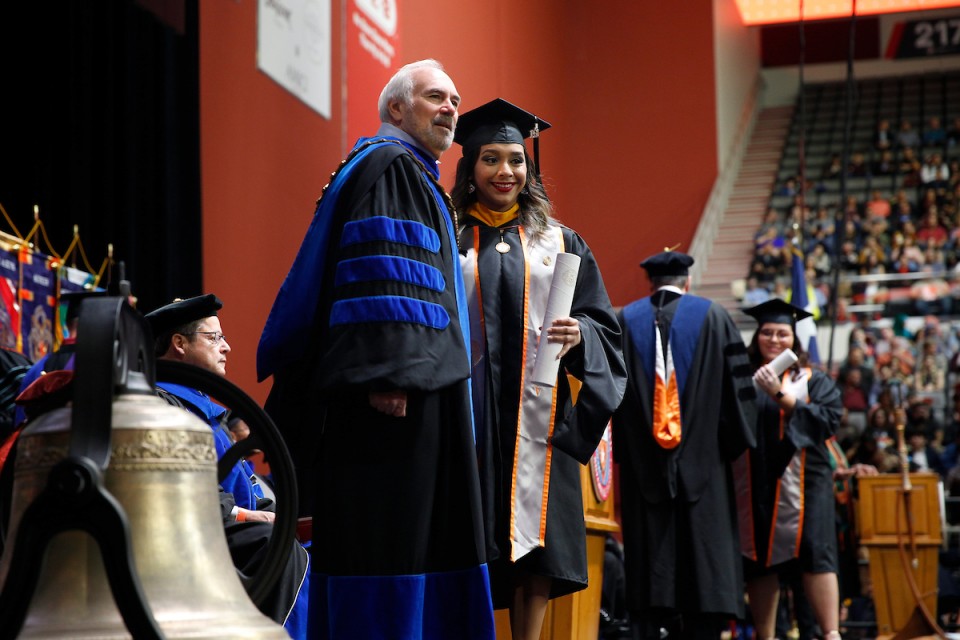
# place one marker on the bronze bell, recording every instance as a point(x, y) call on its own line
point(162, 472)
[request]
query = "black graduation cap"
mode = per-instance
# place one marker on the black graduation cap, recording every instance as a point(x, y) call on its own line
point(498, 121)
point(73, 299)
point(777, 311)
point(667, 263)
point(180, 312)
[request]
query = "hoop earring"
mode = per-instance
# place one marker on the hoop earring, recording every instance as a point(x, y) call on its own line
point(471, 188)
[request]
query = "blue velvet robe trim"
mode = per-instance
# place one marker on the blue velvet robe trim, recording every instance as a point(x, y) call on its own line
point(384, 229)
point(684, 334)
point(433, 606)
point(389, 309)
point(394, 268)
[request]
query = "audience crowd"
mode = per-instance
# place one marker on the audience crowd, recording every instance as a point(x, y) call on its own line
point(906, 222)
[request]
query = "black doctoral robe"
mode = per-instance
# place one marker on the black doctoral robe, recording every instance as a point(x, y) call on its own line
point(681, 546)
point(398, 543)
point(597, 362)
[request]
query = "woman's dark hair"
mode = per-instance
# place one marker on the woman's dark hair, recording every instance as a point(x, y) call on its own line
point(535, 208)
point(753, 350)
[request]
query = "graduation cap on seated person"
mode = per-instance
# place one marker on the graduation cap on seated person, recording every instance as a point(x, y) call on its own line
point(74, 299)
point(497, 122)
point(777, 311)
point(180, 312)
point(668, 263)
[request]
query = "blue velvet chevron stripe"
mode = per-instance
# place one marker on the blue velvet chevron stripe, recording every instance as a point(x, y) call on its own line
point(684, 334)
point(388, 309)
point(395, 268)
point(433, 606)
point(384, 229)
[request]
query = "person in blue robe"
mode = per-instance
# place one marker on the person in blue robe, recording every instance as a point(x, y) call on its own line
point(367, 343)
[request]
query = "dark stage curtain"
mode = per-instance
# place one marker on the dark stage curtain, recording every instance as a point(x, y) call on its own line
point(100, 128)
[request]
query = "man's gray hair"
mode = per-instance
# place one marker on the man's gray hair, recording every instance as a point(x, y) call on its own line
point(400, 86)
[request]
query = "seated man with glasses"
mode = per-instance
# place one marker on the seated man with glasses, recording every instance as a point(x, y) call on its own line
point(189, 331)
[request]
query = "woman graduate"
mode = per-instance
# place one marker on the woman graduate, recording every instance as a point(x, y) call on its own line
point(785, 485)
point(530, 436)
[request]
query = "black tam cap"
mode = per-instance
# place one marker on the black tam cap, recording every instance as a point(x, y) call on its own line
point(667, 263)
point(777, 311)
point(73, 300)
point(180, 312)
point(498, 121)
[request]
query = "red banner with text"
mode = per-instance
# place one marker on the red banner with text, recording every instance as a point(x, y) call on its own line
point(373, 50)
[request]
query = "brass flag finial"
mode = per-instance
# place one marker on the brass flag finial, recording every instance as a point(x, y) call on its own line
point(673, 248)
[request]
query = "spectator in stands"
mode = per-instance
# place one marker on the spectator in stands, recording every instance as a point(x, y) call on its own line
point(935, 173)
point(879, 420)
point(928, 377)
point(755, 292)
point(934, 134)
point(819, 259)
point(854, 398)
point(951, 451)
point(931, 233)
point(849, 257)
point(954, 181)
point(852, 209)
point(886, 164)
point(878, 206)
point(920, 416)
point(909, 168)
point(769, 260)
point(833, 168)
point(921, 455)
point(788, 188)
point(875, 449)
point(821, 229)
point(907, 137)
point(856, 361)
point(953, 134)
point(857, 167)
point(883, 138)
point(873, 257)
point(902, 207)
point(906, 256)
point(771, 227)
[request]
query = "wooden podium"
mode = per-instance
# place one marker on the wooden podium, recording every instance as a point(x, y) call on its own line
point(577, 616)
point(882, 525)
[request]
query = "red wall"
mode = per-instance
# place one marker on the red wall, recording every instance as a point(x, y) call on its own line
point(629, 163)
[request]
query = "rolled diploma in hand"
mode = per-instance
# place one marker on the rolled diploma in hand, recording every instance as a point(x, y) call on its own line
point(559, 302)
point(781, 363)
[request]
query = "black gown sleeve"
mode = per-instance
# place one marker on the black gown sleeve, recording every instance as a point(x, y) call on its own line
point(815, 420)
point(390, 305)
point(597, 362)
point(738, 410)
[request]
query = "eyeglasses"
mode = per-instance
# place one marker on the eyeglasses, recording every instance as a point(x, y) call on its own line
point(216, 337)
point(770, 334)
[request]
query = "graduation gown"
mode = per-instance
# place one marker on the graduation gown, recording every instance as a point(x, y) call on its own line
point(374, 302)
point(765, 472)
point(678, 508)
point(502, 285)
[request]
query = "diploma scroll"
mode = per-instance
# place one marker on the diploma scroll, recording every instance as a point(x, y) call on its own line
point(559, 302)
point(784, 360)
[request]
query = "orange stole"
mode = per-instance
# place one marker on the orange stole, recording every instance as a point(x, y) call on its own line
point(666, 412)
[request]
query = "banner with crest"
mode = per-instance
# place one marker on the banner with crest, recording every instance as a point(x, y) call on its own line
point(31, 283)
